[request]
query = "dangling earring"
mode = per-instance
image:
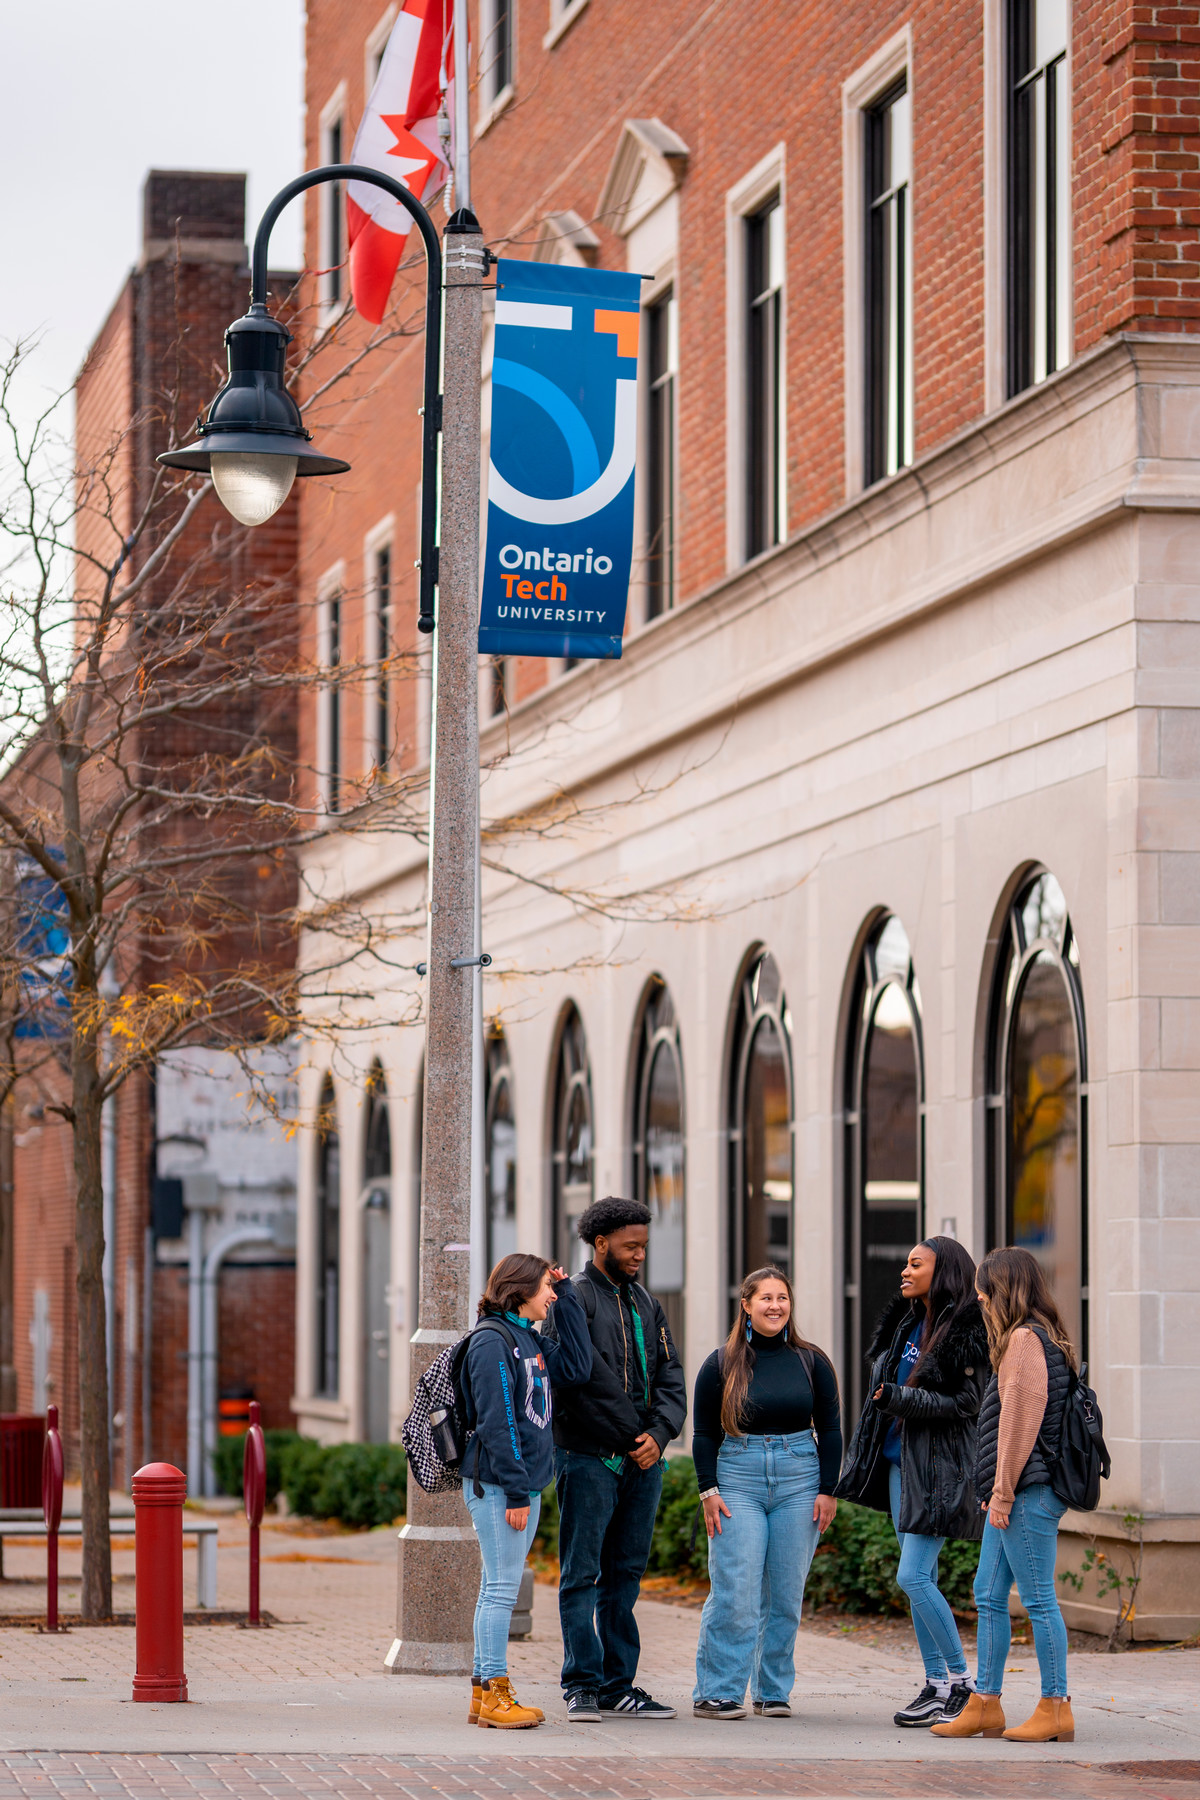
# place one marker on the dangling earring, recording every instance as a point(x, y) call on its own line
point(749, 1332)
point(785, 1331)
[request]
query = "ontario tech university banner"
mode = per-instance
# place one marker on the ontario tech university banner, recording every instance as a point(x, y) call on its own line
point(563, 450)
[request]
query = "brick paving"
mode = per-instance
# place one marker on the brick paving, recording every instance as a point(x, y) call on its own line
point(201, 1777)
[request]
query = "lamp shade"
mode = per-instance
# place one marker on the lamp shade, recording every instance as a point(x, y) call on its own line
point(253, 422)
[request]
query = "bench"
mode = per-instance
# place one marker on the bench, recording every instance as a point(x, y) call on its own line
point(25, 1522)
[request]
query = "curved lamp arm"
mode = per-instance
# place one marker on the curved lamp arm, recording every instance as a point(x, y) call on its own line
point(432, 412)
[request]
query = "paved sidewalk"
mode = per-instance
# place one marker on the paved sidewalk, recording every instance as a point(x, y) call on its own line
point(306, 1707)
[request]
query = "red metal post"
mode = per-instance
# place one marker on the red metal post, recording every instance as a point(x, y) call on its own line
point(254, 1494)
point(159, 1491)
point(52, 1499)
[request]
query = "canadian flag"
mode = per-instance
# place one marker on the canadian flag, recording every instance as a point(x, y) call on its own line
point(399, 136)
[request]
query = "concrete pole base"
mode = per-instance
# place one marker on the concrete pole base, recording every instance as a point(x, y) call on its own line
point(416, 1658)
point(439, 1581)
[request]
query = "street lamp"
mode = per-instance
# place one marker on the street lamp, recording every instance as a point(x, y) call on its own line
point(254, 445)
point(253, 441)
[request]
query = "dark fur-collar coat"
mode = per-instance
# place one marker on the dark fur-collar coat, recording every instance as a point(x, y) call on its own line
point(938, 1417)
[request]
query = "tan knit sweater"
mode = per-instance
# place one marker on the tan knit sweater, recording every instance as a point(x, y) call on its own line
point(1021, 1379)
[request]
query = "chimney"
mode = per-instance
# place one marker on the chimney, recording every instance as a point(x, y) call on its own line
point(197, 216)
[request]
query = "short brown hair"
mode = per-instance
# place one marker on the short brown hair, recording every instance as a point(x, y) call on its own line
point(514, 1280)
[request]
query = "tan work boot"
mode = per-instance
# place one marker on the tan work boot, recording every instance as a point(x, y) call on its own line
point(1050, 1721)
point(982, 1716)
point(476, 1702)
point(502, 1709)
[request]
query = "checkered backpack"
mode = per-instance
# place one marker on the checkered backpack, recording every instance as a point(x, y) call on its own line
point(440, 1426)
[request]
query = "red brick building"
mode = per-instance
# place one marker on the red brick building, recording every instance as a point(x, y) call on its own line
point(153, 365)
point(892, 792)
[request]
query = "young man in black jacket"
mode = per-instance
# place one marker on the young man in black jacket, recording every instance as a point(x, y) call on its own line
point(609, 1435)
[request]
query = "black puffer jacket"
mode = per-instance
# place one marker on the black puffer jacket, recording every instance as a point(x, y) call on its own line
point(606, 1414)
point(938, 1415)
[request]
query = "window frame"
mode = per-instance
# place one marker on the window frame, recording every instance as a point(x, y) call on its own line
point(659, 479)
point(748, 1012)
point(331, 634)
point(497, 78)
point(498, 1079)
point(1012, 957)
point(1025, 309)
point(657, 1032)
point(887, 296)
point(751, 195)
point(860, 91)
point(570, 1048)
point(380, 736)
point(333, 279)
point(327, 1358)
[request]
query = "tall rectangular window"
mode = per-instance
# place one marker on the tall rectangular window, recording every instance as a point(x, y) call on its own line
point(332, 253)
point(496, 50)
point(764, 378)
point(1039, 204)
point(663, 343)
point(497, 686)
point(888, 284)
point(383, 652)
point(332, 698)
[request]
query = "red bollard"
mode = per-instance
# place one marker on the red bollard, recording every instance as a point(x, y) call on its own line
point(52, 1499)
point(254, 1495)
point(159, 1491)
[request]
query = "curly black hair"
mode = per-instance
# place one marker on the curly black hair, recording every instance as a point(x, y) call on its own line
point(604, 1217)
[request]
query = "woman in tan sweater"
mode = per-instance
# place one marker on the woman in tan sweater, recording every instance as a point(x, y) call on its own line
point(1020, 1424)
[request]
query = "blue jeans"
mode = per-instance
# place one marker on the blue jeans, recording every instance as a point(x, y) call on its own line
point(606, 1522)
point(1024, 1552)
point(917, 1577)
point(758, 1567)
point(503, 1552)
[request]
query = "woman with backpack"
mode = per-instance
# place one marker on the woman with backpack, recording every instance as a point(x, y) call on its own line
point(767, 1445)
point(508, 1373)
point(913, 1450)
point(1020, 1429)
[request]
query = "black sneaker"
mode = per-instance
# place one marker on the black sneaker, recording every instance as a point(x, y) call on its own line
point(960, 1693)
point(635, 1704)
point(718, 1709)
point(773, 1709)
point(925, 1709)
point(582, 1708)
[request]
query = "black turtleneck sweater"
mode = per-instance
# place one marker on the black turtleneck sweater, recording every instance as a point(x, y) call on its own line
point(779, 1400)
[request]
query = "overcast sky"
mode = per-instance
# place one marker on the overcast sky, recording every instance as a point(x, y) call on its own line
point(93, 93)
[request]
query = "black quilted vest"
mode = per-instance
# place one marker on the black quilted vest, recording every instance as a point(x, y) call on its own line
point(1045, 1451)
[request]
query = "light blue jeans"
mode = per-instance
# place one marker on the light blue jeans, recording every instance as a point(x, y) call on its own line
point(917, 1577)
point(503, 1552)
point(758, 1567)
point(1024, 1552)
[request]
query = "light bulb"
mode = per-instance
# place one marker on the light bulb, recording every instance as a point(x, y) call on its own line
point(252, 484)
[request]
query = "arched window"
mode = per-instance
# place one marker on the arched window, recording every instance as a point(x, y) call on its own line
point(1037, 1050)
point(329, 1257)
point(500, 1142)
point(760, 1114)
point(572, 1144)
point(884, 1137)
point(377, 1259)
point(658, 1171)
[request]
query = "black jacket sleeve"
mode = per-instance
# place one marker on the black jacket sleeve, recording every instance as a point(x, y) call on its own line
point(929, 1407)
point(707, 1435)
point(567, 1347)
point(827, 1423)
point(668, 1389)
point(492, 1375)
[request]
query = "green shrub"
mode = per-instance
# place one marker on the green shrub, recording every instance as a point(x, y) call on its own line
point(230, 1452)
point(680, 1542)
point(358, 1484)
point(854, 1568)
point(545, 1540)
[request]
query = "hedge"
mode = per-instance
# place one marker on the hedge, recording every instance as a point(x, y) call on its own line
point(359, 1484)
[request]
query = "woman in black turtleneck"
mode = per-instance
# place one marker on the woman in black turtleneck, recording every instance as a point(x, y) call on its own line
point(767, 1444)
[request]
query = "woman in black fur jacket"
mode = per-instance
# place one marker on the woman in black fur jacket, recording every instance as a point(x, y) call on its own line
point(913, 1450)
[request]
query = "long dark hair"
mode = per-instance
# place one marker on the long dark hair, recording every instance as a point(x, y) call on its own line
point(739, 1355)
point(514, 1280)
point(951, 1297)
point(1017, 1294)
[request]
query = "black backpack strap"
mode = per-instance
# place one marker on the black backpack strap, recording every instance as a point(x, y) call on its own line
point(586, 1289)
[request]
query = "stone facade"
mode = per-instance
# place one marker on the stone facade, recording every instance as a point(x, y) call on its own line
point(931, 694)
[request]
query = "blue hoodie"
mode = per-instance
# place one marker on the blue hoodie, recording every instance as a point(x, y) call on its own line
point(509, 1387)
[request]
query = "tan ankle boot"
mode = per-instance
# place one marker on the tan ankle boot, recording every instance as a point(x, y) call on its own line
point(1050, 1721)
point(502, 1709)
point(982, 1716)
point(476, 1702)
